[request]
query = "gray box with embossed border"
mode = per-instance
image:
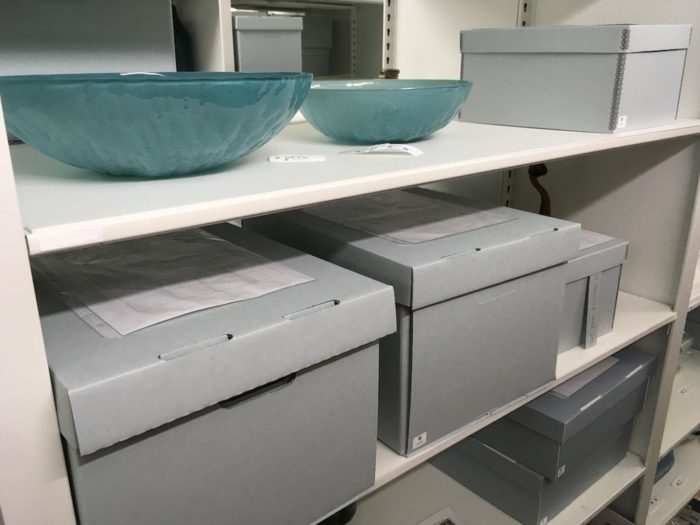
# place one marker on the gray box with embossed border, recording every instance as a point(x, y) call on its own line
point(604, 78)
point(478, 312)
point(260, 411)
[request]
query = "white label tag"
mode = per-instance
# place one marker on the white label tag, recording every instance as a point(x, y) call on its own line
point(622, 122)
point(561, 471)
point(393, 149)
point(297, 158)
point(420, 440)
point(141, 73)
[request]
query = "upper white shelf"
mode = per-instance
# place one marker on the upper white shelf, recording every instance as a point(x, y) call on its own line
point(64, 207)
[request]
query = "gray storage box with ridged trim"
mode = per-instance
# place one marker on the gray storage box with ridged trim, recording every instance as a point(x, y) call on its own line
point(259, 411)
point(479, 292)
point(604, 78)
point(592, 284)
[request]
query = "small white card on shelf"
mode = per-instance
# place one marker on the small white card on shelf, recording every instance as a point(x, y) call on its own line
point(297, 158)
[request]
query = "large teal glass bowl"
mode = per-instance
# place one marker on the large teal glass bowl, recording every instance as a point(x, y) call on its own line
point(378, 111)
point(150, 125)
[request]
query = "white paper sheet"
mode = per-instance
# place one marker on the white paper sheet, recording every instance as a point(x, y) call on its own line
point(406, 218)
point(136, 284)
point(589, 239)
point(576, 383)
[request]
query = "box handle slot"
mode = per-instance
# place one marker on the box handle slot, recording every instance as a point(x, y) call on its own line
point(257, 392)
point(490, 295)
point(189, 349)
point(311, 310)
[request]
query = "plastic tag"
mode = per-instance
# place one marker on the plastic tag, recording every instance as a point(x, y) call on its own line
point(420, 440)
point(141, 73)
point(393, 149)
point(297, 158)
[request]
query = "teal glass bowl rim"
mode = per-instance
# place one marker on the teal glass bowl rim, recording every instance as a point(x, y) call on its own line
point(150, 78)
point(393, 84)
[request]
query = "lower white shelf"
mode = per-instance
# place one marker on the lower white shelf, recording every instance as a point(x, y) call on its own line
point(677, 487)
point(684, 409)
point(426, 490)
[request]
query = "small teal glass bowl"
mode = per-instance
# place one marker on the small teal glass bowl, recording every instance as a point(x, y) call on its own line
point(150, 124)
point(378, 111)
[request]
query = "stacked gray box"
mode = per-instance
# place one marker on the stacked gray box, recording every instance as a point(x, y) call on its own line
point(478, 310)
point(592, 284)
point(560, 430)
point(259, 411)
point(518, 491)
point(603, 78)
point(267, 43)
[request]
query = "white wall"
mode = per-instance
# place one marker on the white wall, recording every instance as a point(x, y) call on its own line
point(427, 37)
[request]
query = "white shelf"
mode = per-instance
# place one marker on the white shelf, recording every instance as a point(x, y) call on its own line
point(684, 409)
point(636, 317)
point(421, 493)
point(64, 207)
point(426, 490)
point(602, 492)
point(677, 487)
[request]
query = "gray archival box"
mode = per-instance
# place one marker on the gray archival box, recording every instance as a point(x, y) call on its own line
point(478, 310)
point(182, 423)
point(604, 78)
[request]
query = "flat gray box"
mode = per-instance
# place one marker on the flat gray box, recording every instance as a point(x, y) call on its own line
point(518, 491)
point(561, 429)
point(604, 78)
point(260, 411)
point(478, 312)
point(592, 285)
point(96, 36)
point(267, 43)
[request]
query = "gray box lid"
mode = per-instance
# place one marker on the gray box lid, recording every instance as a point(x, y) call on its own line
point(110, 389)
point(597, 253)
point(267, 23)
point(437, 270)
point(620, 38)
point(559, 416)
